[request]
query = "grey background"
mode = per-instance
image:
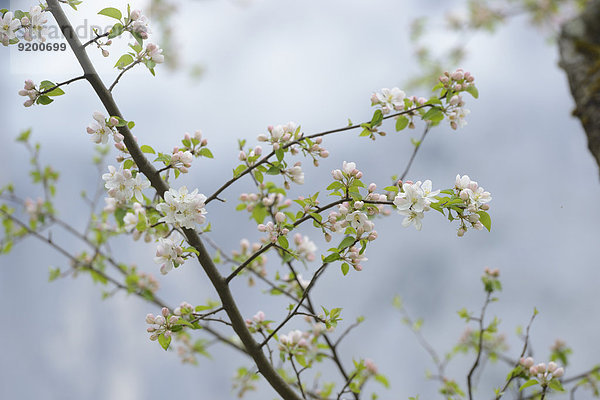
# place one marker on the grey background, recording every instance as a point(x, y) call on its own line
point(316, 63)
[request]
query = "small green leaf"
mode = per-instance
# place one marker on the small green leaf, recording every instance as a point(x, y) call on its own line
point(204, 152)
point(332, 257)
point(164, 341)
point(377, 118)
point(54, 274)
point(485, 220)
point(116, 30)
point(529, 383)
point(128, 164)
point(434, 114)
point(24, 136)
point(56, 92)
point(556, 385)
point(147, 149)
point(401, 123)
point(345, 268)
point(472, 90)
point(124, 61)
point(346, 242)
point(283, 242)
point(111, 12)
point(44, 100)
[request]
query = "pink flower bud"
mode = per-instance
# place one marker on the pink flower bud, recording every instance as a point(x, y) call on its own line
point(527, 362)
point(150, 319)
point(28, 103)
point(324, 153)
point(541, 368)
point(280, 217)
point(165, 311)
point(105, 53)
point(135, 15)
point(242, 156)
point(113, 121)
point(461, 232)
point(533, 370)
point(173, 319)
point(358, 175)
point(29, 85)
point(160, 320)
point(198, 135)
point(558, 373)
point(258, 150)
point(552, 366)
point(154, 336)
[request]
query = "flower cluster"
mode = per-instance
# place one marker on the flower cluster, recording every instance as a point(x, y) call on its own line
point(139, 24)
point(161, 324)
point(295, 284)
point(154, 53)
point(454, 83)
point(102, 128)
point(257, 323)
point(181, 160)
point(275, 229)
point(136, 222)
point(184, 309)
point(389, 100)
point(274, 200)
point(305, 247)
point(414, 200)
point(347, 174)
point(122, 185)
point(280, 135)
point(35, 209)
point(251, 156)
point(147, 282)
point(168, 255)
point(544, 373)
point(183, 209)
point(476, 199)
point(29, 90)
point(34, 25)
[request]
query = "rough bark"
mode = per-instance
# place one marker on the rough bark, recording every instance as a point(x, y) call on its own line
point(579, 44)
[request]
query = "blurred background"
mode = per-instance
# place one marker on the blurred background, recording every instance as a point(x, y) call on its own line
point(243, 66)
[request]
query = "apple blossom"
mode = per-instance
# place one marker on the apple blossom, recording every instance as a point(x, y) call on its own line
point(100, 130)
point(155, 53)
point(182, 208)
point(168, 255)
point(305, 247)
point(8, 26)
point(389, 99)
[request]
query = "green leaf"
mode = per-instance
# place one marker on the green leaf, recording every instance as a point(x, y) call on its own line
point(204, 152)
point(24, 136)
point(54, 274)
point(44, 100)
point(472, 90)
point(138, 38)
point(301, 360)
point(346, 242)
point(345, 268)
point(124, 61)
point(45, 85)
point(116, 30)
point(240, 168)
point(259, 176)
point(529, 383)
point(279, 153)
point(485, 219)
point(401, 123)
point(377, 118)
point(434, 114)
point(147, 149)
point(283, 242)
point(128, 164)
point(332, 257)
point(56, 92)
point(383, 380)
point(556, 385)
point(111, 12)
point(130, 124)
point(164, 341)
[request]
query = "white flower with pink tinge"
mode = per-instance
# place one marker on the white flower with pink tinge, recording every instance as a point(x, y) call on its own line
point(168, 255)
point(389, 99)
point(98, 129)
point(182, 208)
point(155, 53)
point(8, 26)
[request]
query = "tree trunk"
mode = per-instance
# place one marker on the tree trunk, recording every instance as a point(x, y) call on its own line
point(579, 44)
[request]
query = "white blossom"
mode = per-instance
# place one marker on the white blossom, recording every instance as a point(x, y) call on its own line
point(389, 99)
point(296, 174)
point(305, 247)
point(182, 208)
point(168, 255)
point(8, 26)
point(98, 129)
point(155, 53)
point(412, 217)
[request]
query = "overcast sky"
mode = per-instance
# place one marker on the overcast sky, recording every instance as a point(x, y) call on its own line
point(268, 62)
